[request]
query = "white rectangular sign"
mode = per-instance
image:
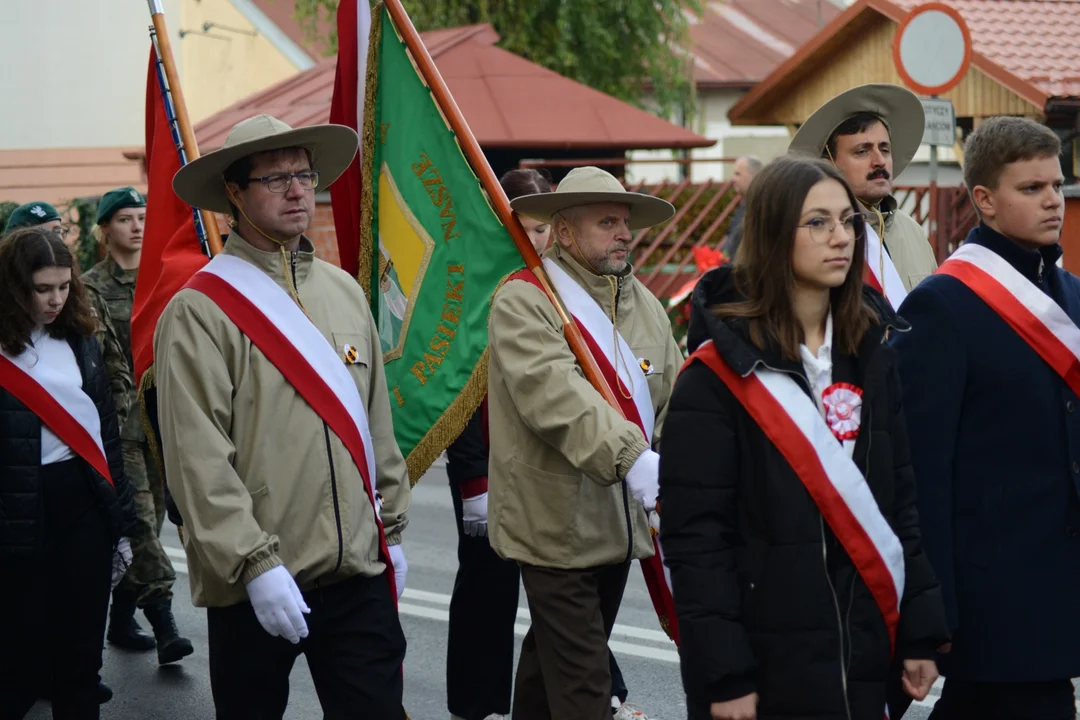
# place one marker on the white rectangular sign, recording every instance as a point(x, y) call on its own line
point(940, 122)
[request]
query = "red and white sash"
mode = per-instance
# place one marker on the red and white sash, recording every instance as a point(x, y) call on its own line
point(794, 425)
point(65, 409)
point(277, 326)
point(1028, 310)
point(881, 274)
point(601, 337)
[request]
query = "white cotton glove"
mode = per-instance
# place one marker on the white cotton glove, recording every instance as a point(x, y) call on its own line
point(474, 515)
point(643, 480)
point(121, 561)
point(278, 604)
point(401, 567)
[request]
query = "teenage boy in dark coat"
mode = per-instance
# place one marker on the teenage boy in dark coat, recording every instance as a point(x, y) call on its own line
point(995, 440)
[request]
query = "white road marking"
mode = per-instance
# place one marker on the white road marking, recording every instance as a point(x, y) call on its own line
point(666, 653)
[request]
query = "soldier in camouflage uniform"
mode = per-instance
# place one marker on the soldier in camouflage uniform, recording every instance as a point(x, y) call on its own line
point(148, 583)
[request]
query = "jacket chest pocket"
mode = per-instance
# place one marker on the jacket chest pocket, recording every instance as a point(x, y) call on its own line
point(119, 305)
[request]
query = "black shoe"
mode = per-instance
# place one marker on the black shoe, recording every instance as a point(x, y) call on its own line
point(170, 646)
point(104, 693)
point(124, 631)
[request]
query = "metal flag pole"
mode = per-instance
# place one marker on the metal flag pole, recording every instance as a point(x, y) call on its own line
point(179, 122)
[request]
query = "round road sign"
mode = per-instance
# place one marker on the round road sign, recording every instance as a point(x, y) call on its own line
point(932, 48)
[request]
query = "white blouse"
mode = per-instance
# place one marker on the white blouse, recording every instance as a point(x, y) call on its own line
point(61, 368)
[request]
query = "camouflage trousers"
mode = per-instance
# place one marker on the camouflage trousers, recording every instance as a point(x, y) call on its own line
point(151, 574)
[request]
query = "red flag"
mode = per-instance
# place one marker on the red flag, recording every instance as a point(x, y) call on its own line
point(171, 253)
point(346, 109)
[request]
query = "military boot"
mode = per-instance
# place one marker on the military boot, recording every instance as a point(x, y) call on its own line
point(170, 646)
point(124, 631)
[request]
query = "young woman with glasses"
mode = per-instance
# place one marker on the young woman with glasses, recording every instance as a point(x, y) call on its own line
point(787, 496)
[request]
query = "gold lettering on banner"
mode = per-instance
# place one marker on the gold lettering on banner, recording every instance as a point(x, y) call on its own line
point(383, 128)
point(439, 194)
point(397, 396)
point(446, 330)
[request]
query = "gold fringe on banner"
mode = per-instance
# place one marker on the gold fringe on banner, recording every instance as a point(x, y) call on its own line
point(446, 429)
point(452, 422)
point(368, 244)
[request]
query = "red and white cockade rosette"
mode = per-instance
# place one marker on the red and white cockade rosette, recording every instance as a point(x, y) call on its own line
point(843, 409)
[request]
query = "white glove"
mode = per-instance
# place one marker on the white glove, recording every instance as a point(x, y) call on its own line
point(121, 561)
point(643, 480)
point(474, 515)
point(401, 567)
point(278, 604)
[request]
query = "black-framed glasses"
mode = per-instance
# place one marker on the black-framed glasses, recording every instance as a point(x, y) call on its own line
point(822, 228)
point(281, 182)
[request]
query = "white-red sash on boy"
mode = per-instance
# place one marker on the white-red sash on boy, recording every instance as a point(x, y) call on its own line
point(881, 274)
point(65, 409)
point(601, 338)
point(277, 326)
point(1028, 310)
point(793, 424)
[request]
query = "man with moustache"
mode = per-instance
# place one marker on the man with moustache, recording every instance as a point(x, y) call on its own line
point(572, 480)
point(871, 133)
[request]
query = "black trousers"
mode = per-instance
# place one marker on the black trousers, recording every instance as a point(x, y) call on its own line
point(55, 605)
point(354, 649)
point(480, 643)
point(961, 700)
point(564, 670)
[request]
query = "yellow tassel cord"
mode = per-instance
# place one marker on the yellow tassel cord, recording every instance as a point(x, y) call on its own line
point(368, 247)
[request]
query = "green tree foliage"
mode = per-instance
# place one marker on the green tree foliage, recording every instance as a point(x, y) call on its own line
point(625, 48)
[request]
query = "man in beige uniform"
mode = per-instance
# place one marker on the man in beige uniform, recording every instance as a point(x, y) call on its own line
point(570, 478)
point(871, 133)
point(281, 538)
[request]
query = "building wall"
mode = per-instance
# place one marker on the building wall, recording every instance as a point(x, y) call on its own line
point(75, 72)
point(222, 67)
point(867, 58)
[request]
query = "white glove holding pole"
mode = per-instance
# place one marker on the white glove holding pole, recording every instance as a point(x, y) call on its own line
point(643, 480)
point(401, 567)
point(121, 561)
point(474, 515)
point(278, 604)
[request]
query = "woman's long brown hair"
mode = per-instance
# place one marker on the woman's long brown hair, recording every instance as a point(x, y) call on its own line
point(22, 253)
point(763, 264)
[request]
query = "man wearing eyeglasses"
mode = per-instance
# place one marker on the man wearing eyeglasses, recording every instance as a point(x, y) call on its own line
point(278, 442)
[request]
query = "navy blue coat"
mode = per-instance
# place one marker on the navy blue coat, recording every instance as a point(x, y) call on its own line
point(995, 442)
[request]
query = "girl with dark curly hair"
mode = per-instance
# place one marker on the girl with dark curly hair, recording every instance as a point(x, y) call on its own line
point(65, 505)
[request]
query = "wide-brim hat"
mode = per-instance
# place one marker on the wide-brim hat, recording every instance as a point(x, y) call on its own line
point(899, 108)
point(201, 182)
point(589, 186)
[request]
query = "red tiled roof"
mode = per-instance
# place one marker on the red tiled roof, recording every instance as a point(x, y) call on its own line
point(1027, 46)
point(736, 43)
point(1035, 40)
point(280, 12)
point(59, 175)
point(507, 101)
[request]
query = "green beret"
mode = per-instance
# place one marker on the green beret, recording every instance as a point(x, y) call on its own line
point(118, 199)
point(31, 214)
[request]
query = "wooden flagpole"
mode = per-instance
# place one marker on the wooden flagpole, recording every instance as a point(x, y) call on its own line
point(187, 134)
point(480, 166)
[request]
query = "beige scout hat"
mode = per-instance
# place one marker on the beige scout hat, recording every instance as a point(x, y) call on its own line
point(589, 186)
point(898, 107)
point(200, 182)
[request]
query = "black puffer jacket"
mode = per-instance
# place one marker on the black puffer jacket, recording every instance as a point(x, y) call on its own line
point(767, 599)
point(20, 465)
